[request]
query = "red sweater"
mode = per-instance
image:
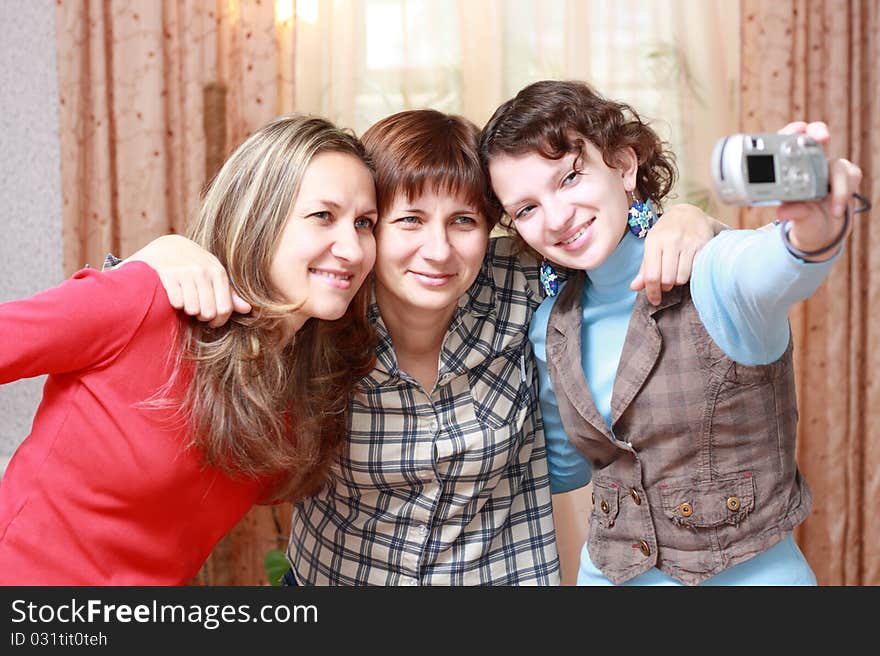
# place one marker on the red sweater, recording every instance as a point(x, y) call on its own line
point(102, 492)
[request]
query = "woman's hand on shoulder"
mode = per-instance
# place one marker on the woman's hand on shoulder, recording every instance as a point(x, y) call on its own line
point(670, 248)
point(193, 278)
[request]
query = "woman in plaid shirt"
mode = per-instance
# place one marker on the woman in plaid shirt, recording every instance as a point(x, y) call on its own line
point(443, 478)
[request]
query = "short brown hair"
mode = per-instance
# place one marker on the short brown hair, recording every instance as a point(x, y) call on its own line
point(550, 117)
point(423, 147)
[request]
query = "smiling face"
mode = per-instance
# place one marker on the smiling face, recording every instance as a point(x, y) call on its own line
point(327, 247)
point(571, 210)
point(430, 251)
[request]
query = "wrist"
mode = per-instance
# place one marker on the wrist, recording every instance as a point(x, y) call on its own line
point(810, 239)
point(812, 252)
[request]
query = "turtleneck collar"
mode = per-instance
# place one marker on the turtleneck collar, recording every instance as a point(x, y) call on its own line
point(611, 279)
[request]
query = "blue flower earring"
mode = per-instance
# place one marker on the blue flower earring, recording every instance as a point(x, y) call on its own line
point(641, 217)
point(549, 280)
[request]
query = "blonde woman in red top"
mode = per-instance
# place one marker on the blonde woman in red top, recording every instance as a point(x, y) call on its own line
point(157, 433)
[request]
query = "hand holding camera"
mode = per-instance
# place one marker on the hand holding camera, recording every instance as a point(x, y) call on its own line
point(769, 169)
point(790, 169)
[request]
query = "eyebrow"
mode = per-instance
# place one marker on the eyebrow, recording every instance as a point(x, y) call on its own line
point(558, 168)
point(510, 207)
point(415, 210)
point(336, 206)
point(324, 201)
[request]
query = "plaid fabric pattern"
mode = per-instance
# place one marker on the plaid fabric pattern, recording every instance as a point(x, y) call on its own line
point(446, 486)
point(699, 473)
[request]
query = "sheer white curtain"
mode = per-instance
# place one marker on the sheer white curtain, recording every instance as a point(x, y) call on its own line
point(675, 61)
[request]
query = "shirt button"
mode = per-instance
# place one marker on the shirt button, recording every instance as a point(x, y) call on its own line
point(645, 548)
point(733, 504)
point(635, 497)
point(686, 509)
point(423, 529)
point(433, 425)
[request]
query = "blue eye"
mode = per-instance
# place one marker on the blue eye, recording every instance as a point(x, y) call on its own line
point(323, 216)
point(364, 223)
point(522, 212)
point(571, 177)
point(409, 220)
point(464, 220)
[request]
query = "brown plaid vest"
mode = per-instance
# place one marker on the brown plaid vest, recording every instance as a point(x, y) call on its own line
point(702, 473)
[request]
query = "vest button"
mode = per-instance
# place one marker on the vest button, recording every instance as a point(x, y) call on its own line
point(645, 548)
point(635, 496)
point(605, 507)
point(733, 503)
point(686, 509)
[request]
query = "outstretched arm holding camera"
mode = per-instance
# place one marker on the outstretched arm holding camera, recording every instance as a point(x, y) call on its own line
point(745, 282)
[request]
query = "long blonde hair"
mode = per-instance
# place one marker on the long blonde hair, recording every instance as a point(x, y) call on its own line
point(255, 405)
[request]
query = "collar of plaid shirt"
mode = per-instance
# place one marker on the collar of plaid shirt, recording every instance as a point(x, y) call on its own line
point(457, 355)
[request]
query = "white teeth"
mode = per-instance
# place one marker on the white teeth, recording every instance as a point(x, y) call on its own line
point(575, 236)
point(327, 274)
point(578, 234)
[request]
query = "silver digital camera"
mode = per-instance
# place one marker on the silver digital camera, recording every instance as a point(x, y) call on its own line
point(769, 169)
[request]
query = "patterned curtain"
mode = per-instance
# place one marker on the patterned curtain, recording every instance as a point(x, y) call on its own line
point(154, 95)
point(817, 60)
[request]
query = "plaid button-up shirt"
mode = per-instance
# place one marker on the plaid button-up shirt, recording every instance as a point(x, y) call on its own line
point(447, 486)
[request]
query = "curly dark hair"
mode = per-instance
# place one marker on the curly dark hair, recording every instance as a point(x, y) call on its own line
point(553, 117)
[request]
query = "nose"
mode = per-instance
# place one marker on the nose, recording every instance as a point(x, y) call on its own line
point(347, 244)
point(559, 214)
point(435, 246)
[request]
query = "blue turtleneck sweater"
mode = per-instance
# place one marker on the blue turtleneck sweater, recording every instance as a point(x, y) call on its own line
point(743, 285)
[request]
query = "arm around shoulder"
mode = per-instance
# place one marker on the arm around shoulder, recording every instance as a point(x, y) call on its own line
point(78, 324)
point(193, 278)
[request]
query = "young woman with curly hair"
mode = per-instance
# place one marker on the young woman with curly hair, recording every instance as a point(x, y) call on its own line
point(683, 414)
